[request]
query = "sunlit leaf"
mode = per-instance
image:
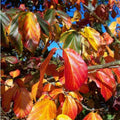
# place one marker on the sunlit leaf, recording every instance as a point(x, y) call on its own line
point(30, 30)
point(71, 39)
point(45, 109)
point(104, 79)
point(55, 92)
point(15, 73)
point(112, 27)
point(50, 15)
point(63, 117)
point(8, 97)
point(118, 20)
point(75, 69)
point(65, 17)
point(92, 36)
point(93, 116)
point(22, 103)
point(15, 36)
point(70, 107)
point(76, 16)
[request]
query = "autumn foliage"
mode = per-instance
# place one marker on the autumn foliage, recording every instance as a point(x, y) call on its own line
point(81, 83)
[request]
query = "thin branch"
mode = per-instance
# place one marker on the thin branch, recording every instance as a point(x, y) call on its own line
point(107, 65)
point(103, 22)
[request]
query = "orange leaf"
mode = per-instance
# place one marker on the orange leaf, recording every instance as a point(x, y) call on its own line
point(22, 103)
point(104, 79)
point(56, 92)
point(35, 91)
point(93, 116)
point(45, 109)
point(70, 107)
point(15, 73)
point(118, 20)
point(44, 66)
point(29, 29)
point(107, 39)
point(8, 97)
point(75, 69)
point(63, 117)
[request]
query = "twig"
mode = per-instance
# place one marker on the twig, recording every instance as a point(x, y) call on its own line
point(103, 22)
point(107, 65)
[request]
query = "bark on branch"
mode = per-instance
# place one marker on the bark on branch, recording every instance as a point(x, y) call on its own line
point(107, 65)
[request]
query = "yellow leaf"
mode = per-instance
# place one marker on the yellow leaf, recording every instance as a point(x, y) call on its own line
point(92, 36)
point(112, 27)
point(43, 110)
point(63, 117)
point(76, 16)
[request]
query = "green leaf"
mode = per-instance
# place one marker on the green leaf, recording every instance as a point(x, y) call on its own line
point(43, 24)
point(4, 19)
point(50, 15)
point(65, 18)
point(15, 36)
point(4, 38)
point(71, 39)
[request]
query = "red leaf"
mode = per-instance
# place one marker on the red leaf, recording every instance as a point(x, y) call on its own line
point(93, 116)
point(22, 103)
point(104, 79)
point(70, 107)
point(84, 88)
point(55, 1)
point(117, 73)
point(75, 69)
point(8, 97)
point(15, 73)
point(45, 109)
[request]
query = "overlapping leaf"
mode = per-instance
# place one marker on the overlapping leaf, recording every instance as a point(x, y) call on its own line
point(104, 79)
point(75, 69)
point(93, 116)
point(22, 103)
point(65, 18)
point(70, 107)
point(45, 109)
point(15, 36)
point(30, 30)
point(92, 36)
point(50, 16)
point(8, 97)
point(71, 39)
